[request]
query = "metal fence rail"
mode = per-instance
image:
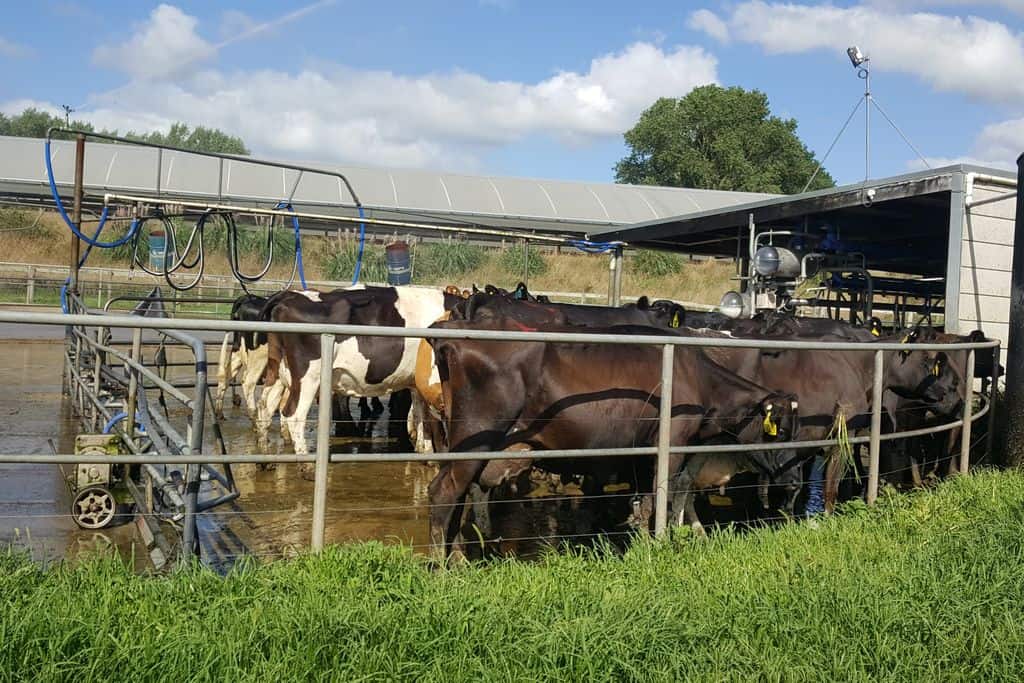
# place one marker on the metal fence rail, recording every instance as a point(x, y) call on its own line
point(193, 457)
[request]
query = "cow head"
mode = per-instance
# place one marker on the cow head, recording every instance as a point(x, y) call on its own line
point(936, 378)
point(665, 312)
point(875, 325)
point(780, 419)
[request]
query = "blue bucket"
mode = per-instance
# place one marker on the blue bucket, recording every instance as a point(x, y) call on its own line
point(157, 249)
point(396, 256)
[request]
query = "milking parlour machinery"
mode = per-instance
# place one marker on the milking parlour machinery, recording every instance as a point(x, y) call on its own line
point(821, 274)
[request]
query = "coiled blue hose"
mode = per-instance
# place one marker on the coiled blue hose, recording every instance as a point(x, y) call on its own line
point(92, 242)
point(298, 243)
point(359, 254)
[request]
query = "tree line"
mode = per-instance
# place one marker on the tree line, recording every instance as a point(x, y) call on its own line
point(33, 123)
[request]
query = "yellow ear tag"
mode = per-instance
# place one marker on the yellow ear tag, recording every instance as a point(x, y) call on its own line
point(675, 320)
point(874, 331)
point(770, 428)
point(905, 339)
point(937, 368)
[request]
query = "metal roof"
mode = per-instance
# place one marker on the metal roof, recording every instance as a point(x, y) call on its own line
point(437, 197)
point(909, 213)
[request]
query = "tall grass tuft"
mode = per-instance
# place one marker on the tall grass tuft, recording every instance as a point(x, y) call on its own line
point(653, 263)
point(515, 263)
point(339, 263)
point(448, 259)
point(921, 587)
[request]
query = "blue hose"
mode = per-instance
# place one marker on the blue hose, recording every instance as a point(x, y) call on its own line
point(92, 242)
point(117, 418)
point(362, 241)
point(593, 247)
point(298, 243)
point(67, 281)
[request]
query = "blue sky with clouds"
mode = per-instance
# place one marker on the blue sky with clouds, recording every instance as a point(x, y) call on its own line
point(520, 87)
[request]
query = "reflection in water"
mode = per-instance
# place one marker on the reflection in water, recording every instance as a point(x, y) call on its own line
point(273, 515)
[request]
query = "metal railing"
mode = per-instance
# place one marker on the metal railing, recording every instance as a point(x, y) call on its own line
point(663, 448)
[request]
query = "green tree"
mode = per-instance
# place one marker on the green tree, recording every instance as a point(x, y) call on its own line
point(33, 123)
point(721, 139)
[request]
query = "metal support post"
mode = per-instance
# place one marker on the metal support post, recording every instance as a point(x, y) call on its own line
point(993, 392)
point(76, 212)
point(97, 374)
point(133, 383)
point(189, 539)
point(664, 441)
point(1013, 439)
point(615, 281)
point(876, 428)
point(323, 441)
point(965, 431)
point(526, 262)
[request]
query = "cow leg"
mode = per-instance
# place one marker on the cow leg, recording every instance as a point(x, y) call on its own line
point(269, 404)
point(306, 390)
point(447, 493)
point(416, 424)
point(256, 363)
point(832, 475)
point(222, 377)
point(682, 501)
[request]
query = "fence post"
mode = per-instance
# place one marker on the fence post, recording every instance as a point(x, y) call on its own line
point(30, 287)
point(664, 441)
point(992, 391)
point(965, 431)
point(323, 441)
point(876, 428)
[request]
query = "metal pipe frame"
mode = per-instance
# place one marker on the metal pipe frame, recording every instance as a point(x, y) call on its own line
point(383, 222)
point(174, 327)
point(193, 457)
point(83, 134)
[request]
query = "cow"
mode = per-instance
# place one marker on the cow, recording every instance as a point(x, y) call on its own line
point(525, 311)
point(525, 396)
point(363, 365)
point(242, 353)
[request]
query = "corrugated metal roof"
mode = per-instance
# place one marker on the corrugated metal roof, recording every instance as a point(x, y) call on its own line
point(546, 205)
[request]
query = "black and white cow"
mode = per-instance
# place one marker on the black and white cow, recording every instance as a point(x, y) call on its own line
point(242, 354)
point(364, 366)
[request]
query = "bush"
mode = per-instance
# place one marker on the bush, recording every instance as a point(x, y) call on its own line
point(340, 264)
point(511, 261)
point(656, 263)
point(446, 260)
point(24, 222)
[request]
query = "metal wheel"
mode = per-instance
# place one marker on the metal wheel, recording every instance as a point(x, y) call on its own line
point(93, 508)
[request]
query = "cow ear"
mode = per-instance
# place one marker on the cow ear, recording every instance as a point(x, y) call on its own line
point(520, 291)
point(491, 289)
point(940, 363)
point(643, 303)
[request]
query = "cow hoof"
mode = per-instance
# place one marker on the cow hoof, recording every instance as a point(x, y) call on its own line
point(236, 401)
point(698, 530)
point(218, 414)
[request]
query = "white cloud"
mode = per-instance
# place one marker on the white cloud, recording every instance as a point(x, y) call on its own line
point(9, 48)
point(166, 44)
point(997, 145)
point(710, 23)
point(333, 112)
point(971, 55)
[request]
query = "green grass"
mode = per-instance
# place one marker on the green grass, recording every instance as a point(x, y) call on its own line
point(448, 259)
point(652, 263)
point(513, 261)
point(923, 587)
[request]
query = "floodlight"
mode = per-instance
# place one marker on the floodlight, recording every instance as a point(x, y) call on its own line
point(733, 305)
point(856, 56)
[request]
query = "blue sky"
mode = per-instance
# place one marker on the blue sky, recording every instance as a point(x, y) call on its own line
point(519, 87)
